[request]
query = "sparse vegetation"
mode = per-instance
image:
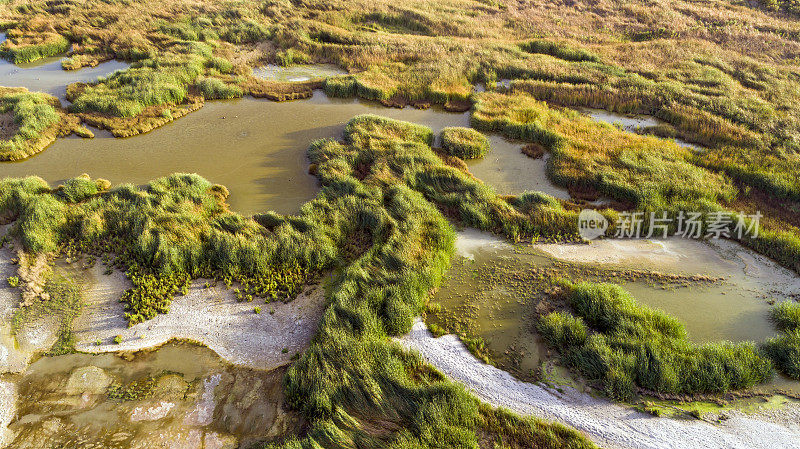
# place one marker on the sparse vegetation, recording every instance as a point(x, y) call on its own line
point(13, 281)
point(61, 301)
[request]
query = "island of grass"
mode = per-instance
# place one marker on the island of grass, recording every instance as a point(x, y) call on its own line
point(28, 123)
point(465, 143)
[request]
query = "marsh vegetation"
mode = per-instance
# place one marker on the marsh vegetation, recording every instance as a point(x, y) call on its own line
point(721, 75)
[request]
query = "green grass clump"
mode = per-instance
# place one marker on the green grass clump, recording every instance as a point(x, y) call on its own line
point(340, 86)
point(465, 143)
point(560, 51)
point(221, 65)
point(785, 348)
point(34, 117)
point(786, 315)
point(242, 32)
point(608, 337)
point(81, 188)
point(213, 89)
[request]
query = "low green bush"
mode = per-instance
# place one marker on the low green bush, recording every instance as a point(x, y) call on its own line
point(784, 350)
point(465, 143)
point(51, 45)
point(340, 86)
point(213, 89)
point(34, 115)
point(786, 315)
point(151, 82)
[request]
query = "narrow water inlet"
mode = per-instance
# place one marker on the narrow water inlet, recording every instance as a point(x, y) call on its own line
point(46, 75)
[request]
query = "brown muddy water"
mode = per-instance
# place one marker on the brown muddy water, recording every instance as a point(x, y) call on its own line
point(256, 148)
point(179, 396)
point(510, 171)
point(46, 75)
point(483, 290)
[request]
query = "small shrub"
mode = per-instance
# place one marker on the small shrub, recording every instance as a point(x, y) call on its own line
point(213, 88)
point(786, 315)
point(117, 339)
point(13, 281)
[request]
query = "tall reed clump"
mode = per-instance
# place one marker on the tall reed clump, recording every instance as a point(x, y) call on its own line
point(609, 338)
point(785, 348)
point(465, 143)
point(32, 115)
point(376, 220)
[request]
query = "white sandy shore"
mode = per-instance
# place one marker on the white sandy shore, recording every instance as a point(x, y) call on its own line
point(211, 316)
point(8, 409)
point(607, 424)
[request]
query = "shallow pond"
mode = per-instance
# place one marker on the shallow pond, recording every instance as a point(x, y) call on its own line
point(297, 73)
point(256, 148)
point(181, 394)
point(487, 284)
point(510, 171)
point(46, 75)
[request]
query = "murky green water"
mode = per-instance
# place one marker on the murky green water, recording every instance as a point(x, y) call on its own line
point(257, 148)
point(510, 171)
point(502, 310)
point(181, 395)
